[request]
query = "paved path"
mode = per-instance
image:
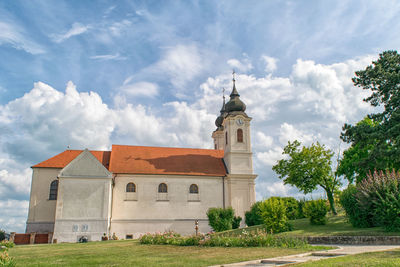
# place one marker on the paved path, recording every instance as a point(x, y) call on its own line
point(342, 250)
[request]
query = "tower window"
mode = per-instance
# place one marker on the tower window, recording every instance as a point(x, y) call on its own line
point(131, 187)
point(240, 135)
point(162, 188)
point(53, 190)
point(226, 138)
point(193, 189)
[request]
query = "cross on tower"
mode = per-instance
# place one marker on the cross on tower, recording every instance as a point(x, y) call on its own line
point(233, 75)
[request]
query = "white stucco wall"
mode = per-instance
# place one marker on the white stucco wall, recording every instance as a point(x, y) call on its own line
point(41, 213)
point(151, 211)
point(83, 209)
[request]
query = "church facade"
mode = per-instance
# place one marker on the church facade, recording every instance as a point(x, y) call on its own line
point(132, 190)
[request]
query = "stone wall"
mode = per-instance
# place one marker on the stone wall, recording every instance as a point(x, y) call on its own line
point(354, 240)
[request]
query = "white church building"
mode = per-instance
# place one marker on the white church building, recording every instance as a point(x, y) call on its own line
point(132, 190)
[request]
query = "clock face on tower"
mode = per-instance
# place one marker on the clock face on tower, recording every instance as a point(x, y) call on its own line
point(239, 121)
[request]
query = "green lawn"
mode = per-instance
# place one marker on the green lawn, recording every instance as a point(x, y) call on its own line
point(131, 253)
point(336, 226)
point(384, 258)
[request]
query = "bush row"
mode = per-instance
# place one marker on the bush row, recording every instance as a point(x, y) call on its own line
point(293, 207)
point(275, 212)
point(375, 201)
point(246, 239)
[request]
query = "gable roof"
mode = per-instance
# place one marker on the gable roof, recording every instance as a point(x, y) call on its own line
point(64, 158)
point(166, 160)
point(87, 165)
point(150, 160)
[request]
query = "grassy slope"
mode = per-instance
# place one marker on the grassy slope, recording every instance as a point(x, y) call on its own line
point(131, 253)
point(384, 258)
point(336, 225)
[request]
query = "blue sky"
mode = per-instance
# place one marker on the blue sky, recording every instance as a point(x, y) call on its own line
point(91, 74)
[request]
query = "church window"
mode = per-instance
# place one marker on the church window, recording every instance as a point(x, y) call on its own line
point(226, 138)
point(193, 189)
point(162, 188)
point(53, 190)
point(240, 135)
point(131, 187)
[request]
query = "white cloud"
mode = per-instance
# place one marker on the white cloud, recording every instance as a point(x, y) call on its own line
point(242, 66)
point(146, 89)
point(270, 63)
point(180, 64)
point(288, 132)
point(263, 140)
point(13, 35)
point(116, 56)
point(20, 181)
point(76, 29)
point(309, 105)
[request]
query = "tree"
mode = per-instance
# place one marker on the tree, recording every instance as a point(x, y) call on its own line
point(376, 145)
point(356, 162)
point(307, 168)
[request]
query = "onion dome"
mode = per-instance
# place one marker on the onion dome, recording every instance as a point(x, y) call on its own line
point(235, 104)
point(220, 119)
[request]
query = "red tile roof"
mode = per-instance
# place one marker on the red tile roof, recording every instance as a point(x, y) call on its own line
point(150, 160)
point(167, 160)
point(61, 160)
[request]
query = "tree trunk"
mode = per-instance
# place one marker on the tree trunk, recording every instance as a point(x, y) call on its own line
point(329, 194)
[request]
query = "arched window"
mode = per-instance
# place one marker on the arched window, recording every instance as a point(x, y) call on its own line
point(226, 138)
point(53, 190)
point(131, 187)
point(239, 135)
point(162, 188)
point(193, 189)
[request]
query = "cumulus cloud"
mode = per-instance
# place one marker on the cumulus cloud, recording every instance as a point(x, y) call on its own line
point(309, 105)
point(76, 29)
point(242, 66)
point(270, 63)
point(11, 34)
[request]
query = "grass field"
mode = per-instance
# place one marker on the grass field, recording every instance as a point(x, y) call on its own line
point(384, 259)
point(336, 226)
point(131, 253)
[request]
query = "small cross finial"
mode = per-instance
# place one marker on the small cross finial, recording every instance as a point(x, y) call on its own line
point(233, 74)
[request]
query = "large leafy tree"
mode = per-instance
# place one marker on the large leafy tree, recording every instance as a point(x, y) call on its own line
point(307, 168)
point(375, 141)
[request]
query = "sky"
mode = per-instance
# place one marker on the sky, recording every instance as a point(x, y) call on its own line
point(89, 74)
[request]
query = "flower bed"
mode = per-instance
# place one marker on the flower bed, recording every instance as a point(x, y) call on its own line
point(245, 239)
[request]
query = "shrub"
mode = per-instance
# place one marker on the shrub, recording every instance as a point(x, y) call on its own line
point(2, 235)
point(379, 198)
point(358, 217)
point(6, 260)
point(259, 239)
point(253, 216)
point(221, 219)
point(316, 211)
point(300, 213)
point(273, 213)
point(236, 222)
point(292, 206)
point(7, 244)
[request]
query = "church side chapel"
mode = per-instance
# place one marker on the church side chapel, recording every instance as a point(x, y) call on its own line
point(132, 190)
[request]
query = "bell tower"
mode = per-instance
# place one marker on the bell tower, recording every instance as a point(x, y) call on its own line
point(233, 136)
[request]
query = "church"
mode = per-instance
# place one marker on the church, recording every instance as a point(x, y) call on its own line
point(132, 190)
